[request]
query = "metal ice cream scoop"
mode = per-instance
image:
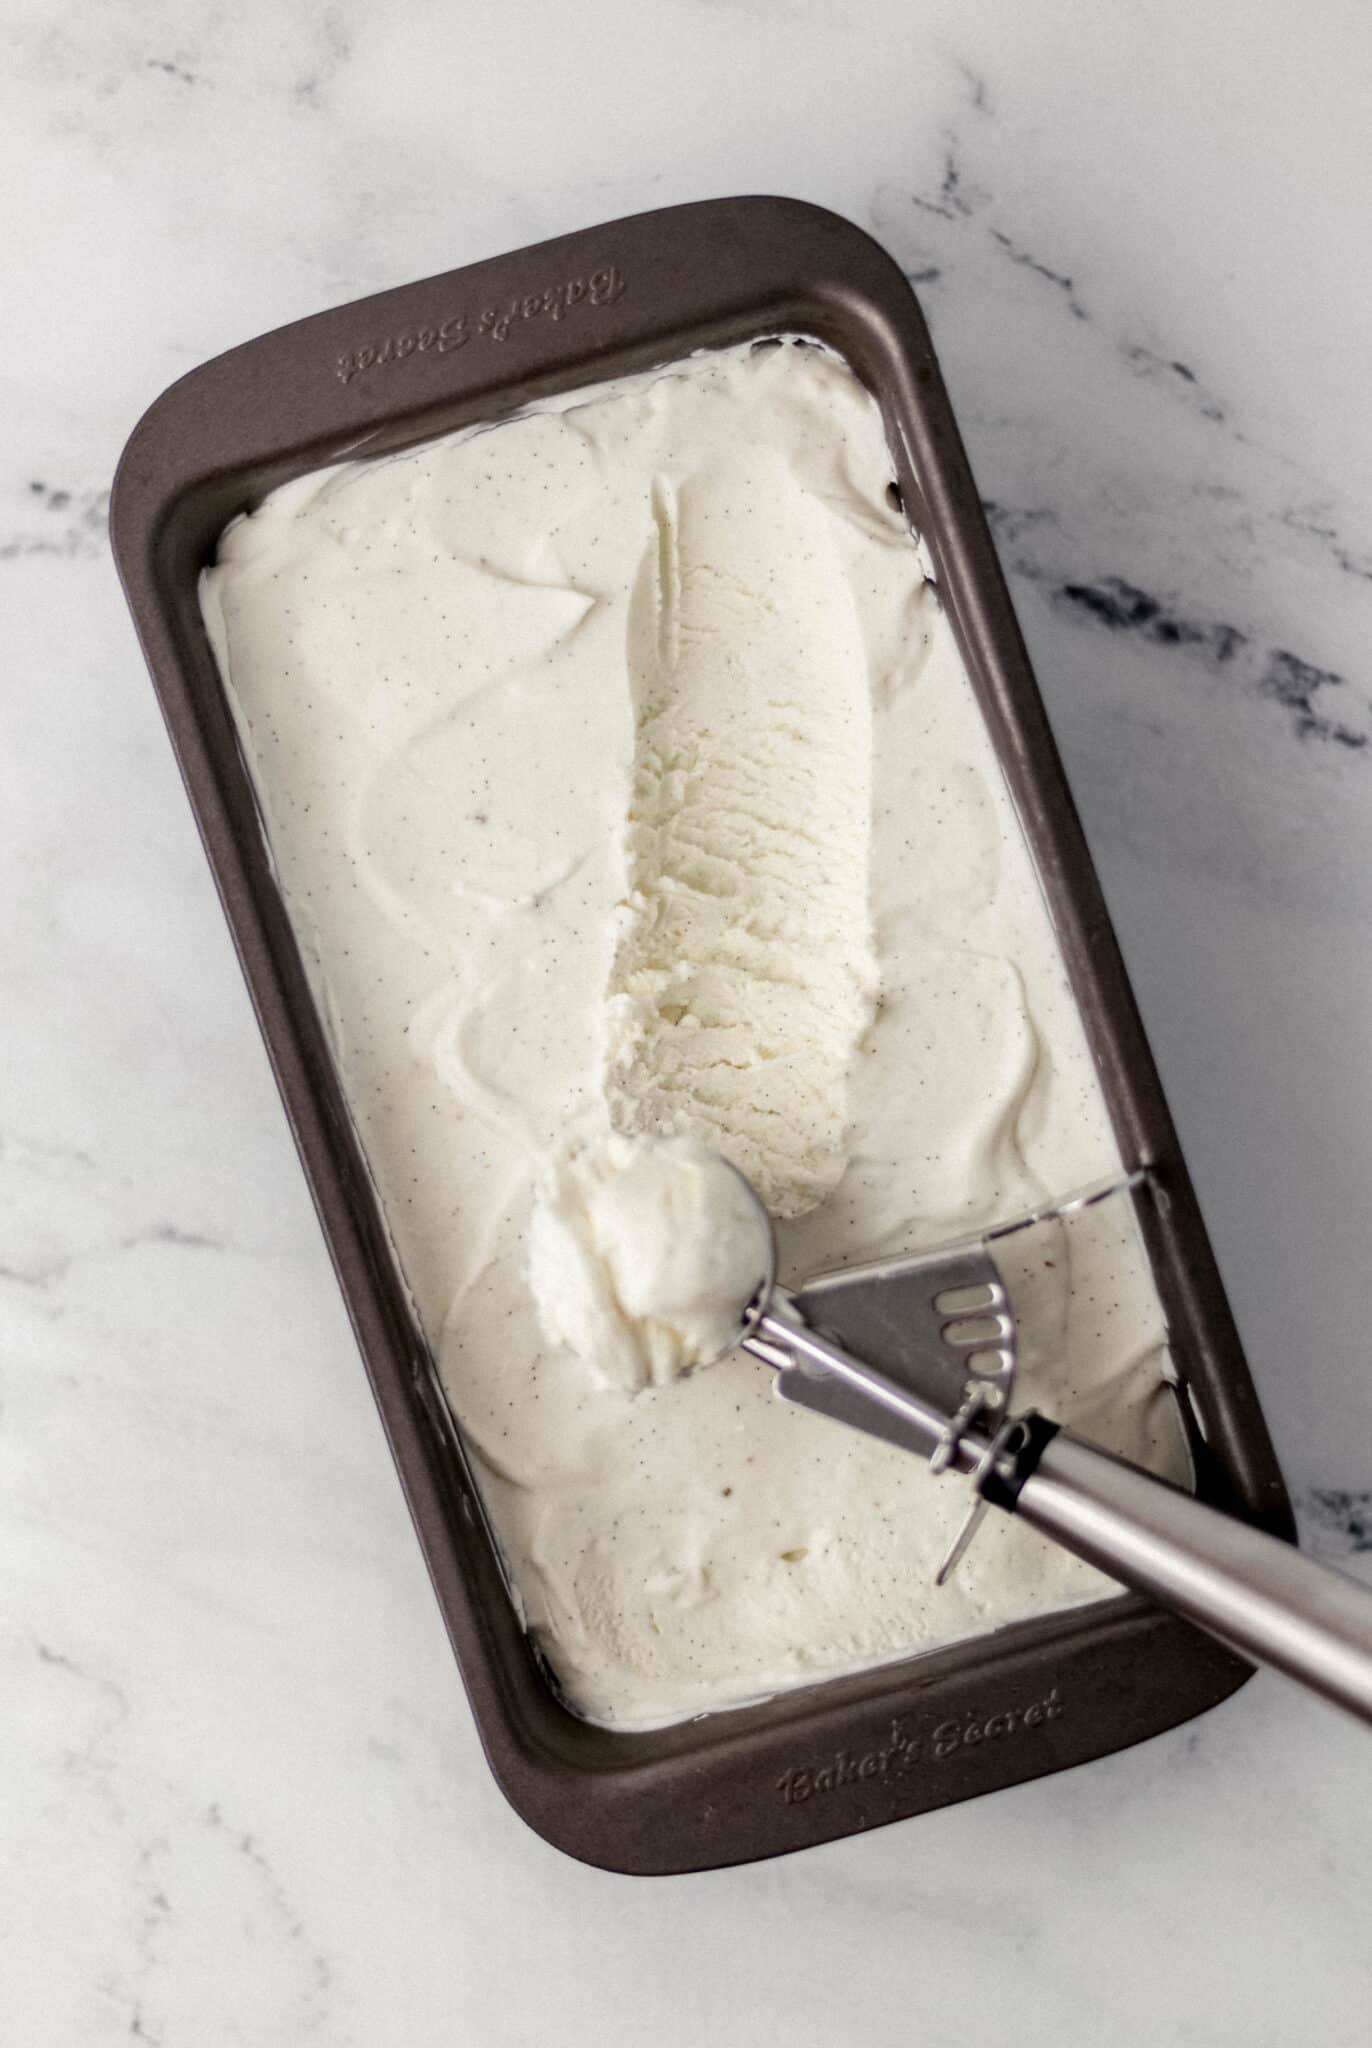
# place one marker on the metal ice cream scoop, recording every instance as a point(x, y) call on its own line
point(921, 1351)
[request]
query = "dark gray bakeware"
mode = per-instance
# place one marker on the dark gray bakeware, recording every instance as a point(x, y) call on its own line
point(477, 343)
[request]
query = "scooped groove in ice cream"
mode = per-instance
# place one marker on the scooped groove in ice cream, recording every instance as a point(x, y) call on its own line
point(644, 1254)
point(744, 977)
point(622, 777)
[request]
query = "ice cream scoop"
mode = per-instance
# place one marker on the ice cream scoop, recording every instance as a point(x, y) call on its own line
point(650, 1256)
point(644, 1255)
point(921, 1352)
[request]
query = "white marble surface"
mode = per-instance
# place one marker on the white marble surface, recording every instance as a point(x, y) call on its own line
point(240, 1798)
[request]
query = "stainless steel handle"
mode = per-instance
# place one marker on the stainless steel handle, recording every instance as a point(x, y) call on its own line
point(1252, 1591)
point(1249, 1589)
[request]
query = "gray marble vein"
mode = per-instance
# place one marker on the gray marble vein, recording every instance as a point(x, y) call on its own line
point(51, 519)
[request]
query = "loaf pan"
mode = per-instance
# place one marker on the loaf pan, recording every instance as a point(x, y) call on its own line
point(475, 344)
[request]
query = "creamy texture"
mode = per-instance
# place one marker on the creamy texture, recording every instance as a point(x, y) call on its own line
point(644, 1254)
point(620, 772)
point(743, 979)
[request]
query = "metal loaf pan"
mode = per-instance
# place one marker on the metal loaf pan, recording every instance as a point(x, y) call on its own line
point(397, 368)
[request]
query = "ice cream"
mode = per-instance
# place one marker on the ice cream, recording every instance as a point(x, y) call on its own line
point(744, 978)
point(644, 1254)
point(621, 776)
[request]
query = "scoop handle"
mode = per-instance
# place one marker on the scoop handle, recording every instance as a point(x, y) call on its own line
point(1255, 1593)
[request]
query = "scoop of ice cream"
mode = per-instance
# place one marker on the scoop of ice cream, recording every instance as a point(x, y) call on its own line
point(644, 1254)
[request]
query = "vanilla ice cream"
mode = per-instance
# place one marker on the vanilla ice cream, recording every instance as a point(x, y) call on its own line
point(622, 779)
point(644, 1254)
point(744, 976)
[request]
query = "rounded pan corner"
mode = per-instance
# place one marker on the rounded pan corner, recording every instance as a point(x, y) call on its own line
point(830, 231)
point(158, 458)
point(820, 230)
point(135, 470)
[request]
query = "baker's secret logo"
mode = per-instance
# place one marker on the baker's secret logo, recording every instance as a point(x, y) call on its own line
point(911, 1743)
point(970, 1731)
point(601, 287)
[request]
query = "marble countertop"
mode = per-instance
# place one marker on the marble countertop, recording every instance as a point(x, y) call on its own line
point(241, 1796)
